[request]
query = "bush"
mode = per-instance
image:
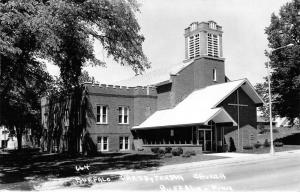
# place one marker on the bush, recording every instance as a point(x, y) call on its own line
point(180, 150)
point(266, 143)
point(176, 152)
point(161, 151)
point(278, 144)
point(257, 145)
point(191, 153)
point(248, 147)
point(168, 149)
point(155, 150)
point(168, 155)
point(186, 155)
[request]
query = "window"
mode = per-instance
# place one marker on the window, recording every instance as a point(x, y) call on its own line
point(124, 143)
point(214, 75)
point(172, 133)
point(212, 45)
point(102, 114)
point(194, 46)
point(102, 143)
point(123, 115)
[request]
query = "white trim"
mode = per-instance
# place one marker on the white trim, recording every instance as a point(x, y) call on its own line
point(102, 143)
point(124, 143)
point(101, 114)
point(217, 113)
point(215, 74)
point(238, 86)
point(123, 115)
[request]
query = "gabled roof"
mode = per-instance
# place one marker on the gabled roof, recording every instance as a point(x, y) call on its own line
point(154, 77)
point(200, 106)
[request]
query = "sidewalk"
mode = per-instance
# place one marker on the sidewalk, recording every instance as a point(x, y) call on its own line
point(234, 159)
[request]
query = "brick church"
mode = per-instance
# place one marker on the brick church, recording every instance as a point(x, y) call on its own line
point(192, 105)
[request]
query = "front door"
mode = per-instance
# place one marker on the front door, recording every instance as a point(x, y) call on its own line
point(205, 139)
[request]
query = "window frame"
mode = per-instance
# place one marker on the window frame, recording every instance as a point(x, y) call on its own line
point(101, 139)
point(122, 142)
point(101, 115)
point(123, 115)
point(215, 74)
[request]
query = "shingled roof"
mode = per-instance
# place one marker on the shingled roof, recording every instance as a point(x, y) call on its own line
point(202, 106)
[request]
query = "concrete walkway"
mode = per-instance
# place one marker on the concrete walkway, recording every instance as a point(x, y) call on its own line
point(232, 154)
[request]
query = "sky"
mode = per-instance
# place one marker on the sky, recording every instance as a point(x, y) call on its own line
point(163, 22)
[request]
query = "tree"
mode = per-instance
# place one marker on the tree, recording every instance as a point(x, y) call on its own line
point(285, 63)
point(74, 25)
point(85, 77)
point(63, 31)
point(23, 79)
point(262, 90)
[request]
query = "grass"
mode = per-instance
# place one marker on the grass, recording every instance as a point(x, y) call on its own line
point(263, 150)
point(23, 170)
point(282, 132)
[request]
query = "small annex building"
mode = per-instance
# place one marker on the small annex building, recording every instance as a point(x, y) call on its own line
point(192, 105)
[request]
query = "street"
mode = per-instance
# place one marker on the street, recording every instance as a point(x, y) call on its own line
point(271, 174)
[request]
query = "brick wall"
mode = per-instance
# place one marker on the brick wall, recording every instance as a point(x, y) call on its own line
point(248, 136)
point(197, 75)
point(141, 103)
point(247, 119)
point(247, 114)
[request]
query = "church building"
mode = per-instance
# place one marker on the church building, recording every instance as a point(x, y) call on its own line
point(192, 105)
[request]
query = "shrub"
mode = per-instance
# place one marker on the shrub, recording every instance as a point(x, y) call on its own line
point(257, 145)
point(161, 151)
point(168, 149)
point(266, 143)
point(248, 147)
point(180, 150)
point(155, 150)
point(176, 152)
point(191, 153)
point(186, 155)
point(278, 144)
point(168, 155)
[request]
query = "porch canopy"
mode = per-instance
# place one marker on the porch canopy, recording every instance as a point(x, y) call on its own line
point(200, 107)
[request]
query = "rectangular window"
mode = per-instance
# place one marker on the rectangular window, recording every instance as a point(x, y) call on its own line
point(124, 143)
point(194, 46)
point(123, 115)
point(214, 75)
point(102, 143)
point(101, 114)
point(212, 45)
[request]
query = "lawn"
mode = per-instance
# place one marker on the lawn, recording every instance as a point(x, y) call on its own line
point(263, 150)
point(22, 170)
point(290, 137)
point(281, 132)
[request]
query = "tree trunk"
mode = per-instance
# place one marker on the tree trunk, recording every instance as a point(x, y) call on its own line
point(19, 138)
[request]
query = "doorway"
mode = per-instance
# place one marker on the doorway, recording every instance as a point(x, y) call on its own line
point(205, 139)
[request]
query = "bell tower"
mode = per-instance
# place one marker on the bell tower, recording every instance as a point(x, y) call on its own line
point(203, 39)
point(203, 45)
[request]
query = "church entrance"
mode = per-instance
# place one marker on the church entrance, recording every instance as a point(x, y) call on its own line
point(205, 139)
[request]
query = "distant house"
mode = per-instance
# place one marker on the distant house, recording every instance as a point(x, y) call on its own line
point(192, 105)
point(9, 141)
point(282, 121)
point(4, 133)
point(264, 124)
